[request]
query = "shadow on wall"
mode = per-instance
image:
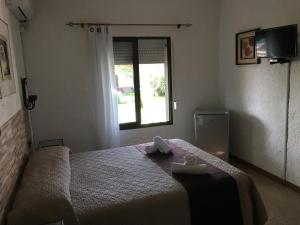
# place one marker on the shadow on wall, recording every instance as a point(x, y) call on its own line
point(247, 135)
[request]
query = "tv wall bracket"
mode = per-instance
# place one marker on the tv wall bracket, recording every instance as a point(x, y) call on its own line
point(279, 60)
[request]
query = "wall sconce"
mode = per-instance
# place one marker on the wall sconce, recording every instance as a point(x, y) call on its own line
point(29, 100)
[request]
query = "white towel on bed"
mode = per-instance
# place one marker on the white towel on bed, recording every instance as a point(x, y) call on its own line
point(150, 149)
point(161, 144)
point(180, 168)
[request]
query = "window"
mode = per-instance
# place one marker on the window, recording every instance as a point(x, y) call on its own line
point(143, 72)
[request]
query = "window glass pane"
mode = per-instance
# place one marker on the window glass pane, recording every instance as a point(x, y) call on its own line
point(153, 70)
point(123, 56)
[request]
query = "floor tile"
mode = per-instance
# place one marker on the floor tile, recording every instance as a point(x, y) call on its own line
point(290, 219)
point(282, 203)
point(273, 222)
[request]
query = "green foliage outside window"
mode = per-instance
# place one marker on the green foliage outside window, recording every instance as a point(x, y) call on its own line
point(159, 85)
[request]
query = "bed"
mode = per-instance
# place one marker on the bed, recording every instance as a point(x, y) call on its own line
point(124, 186)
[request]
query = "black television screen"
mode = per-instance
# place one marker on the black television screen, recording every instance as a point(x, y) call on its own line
point(276, 43)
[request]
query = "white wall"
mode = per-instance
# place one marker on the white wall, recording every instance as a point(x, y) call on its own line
point(293, 156)
point(11, 104)
point(256, 94)
point(57, 63)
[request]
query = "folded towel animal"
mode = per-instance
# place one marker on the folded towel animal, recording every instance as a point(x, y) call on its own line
point(196, 169)
point(161, 144)
point(150, 148)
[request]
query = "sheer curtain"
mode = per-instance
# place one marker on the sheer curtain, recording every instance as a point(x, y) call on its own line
point(104, 87)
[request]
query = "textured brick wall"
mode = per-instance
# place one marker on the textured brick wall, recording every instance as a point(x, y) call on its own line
point(14, 151)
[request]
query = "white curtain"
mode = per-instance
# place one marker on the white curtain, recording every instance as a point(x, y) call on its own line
point(104, 85)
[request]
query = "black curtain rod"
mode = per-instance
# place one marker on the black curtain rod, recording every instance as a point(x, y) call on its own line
point(178, 25)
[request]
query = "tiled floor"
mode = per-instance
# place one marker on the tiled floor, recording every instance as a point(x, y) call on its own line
point(282, 203)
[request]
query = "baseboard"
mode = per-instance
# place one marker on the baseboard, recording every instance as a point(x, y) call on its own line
point(267, 174)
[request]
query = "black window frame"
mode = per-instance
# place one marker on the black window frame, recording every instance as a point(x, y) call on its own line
point(136, 77)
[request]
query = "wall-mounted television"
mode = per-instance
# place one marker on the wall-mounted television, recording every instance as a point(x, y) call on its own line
point(277, 43)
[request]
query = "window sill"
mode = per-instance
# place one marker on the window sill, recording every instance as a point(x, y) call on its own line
point(130, 126)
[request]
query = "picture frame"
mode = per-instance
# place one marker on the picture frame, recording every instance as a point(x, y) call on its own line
point(4, 59)
point(245, 48)
point(7, 82)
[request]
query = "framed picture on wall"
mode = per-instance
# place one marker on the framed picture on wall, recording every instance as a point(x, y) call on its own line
point(245, 48)
point(4, 61)
point(7, 83)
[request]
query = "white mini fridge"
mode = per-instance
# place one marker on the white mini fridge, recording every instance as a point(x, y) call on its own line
point(212, 132)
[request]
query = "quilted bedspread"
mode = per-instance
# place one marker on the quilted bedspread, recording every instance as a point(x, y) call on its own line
point(124, 187)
